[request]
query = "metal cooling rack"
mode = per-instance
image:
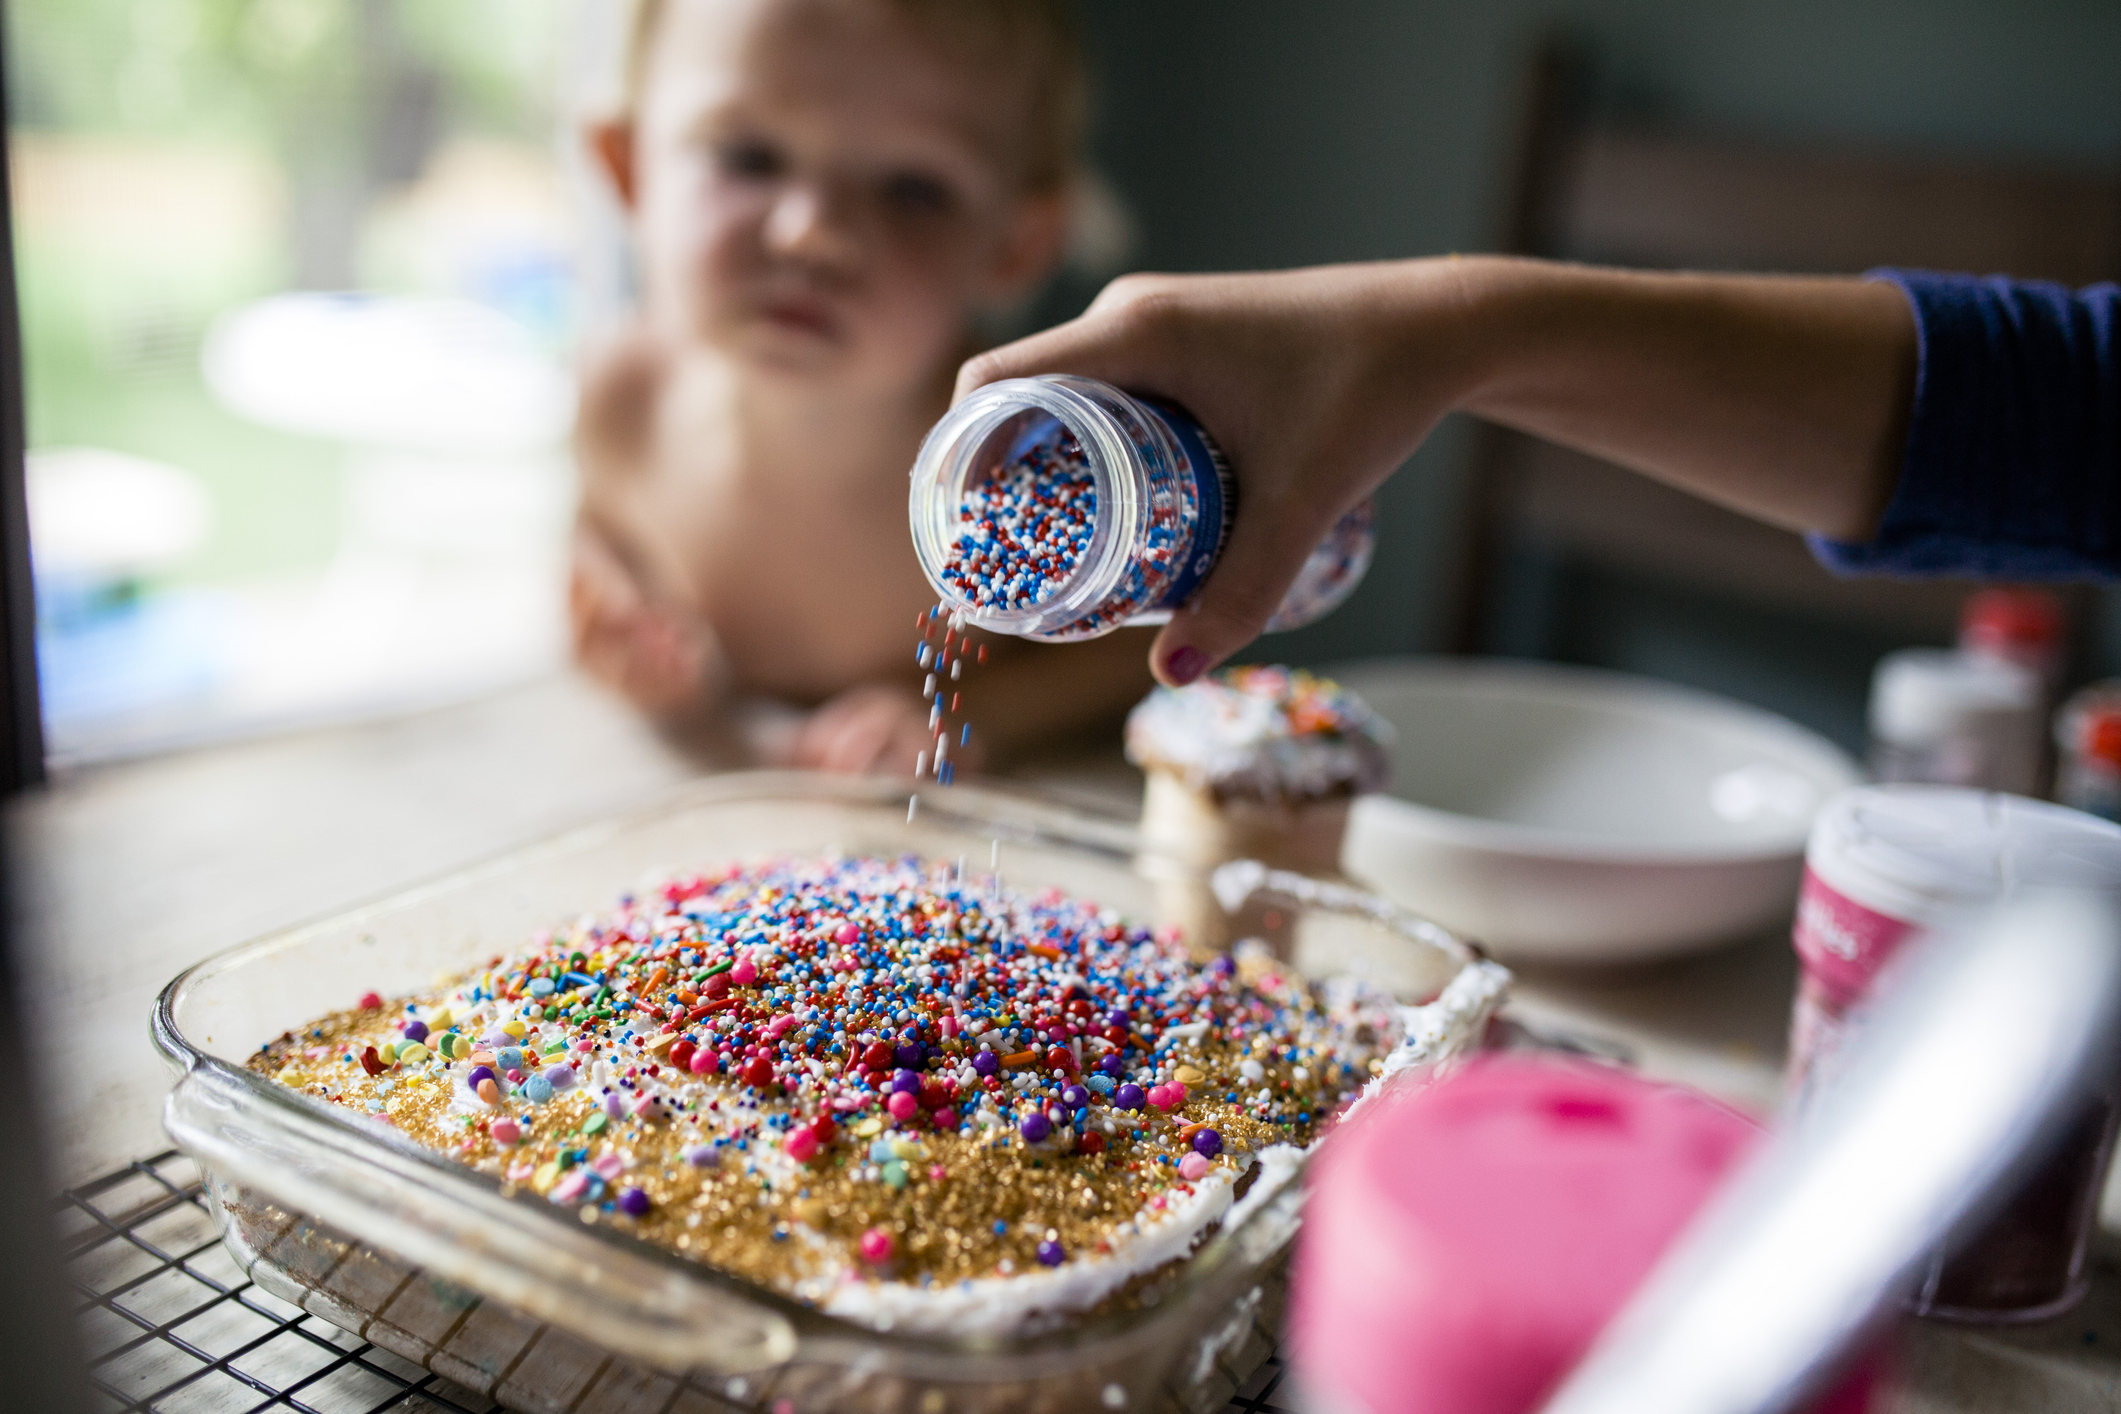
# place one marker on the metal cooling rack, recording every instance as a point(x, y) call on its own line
point(169, 1323)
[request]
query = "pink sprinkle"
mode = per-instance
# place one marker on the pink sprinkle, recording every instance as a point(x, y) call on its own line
point(744, 973)
point(876, 1247)
point(945, 1118)
point(1192, 1168)
point(802, 1144)
point(779, 1027)
point(521, 1173)
point(573, 1186)
point(1161, 1097)
point(847, 936)
point(505, 1131)
point(845, 1102)
point(702, 1061)
point(902, 1105)
point(937, 1173)
point(369, 1001)
point(608, 1166)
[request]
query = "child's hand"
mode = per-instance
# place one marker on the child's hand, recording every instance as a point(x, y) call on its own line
point(873, 728)
point(648, 653)
point(1786, 398)
point(1317, 383)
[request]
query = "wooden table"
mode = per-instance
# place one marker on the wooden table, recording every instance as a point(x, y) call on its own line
point(132, 871)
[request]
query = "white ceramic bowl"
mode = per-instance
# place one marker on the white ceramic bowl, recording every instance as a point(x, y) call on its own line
point(1571, 814)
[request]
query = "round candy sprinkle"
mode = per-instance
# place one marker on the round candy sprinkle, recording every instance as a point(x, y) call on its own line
point(1023, 530)
point(489, 1092)
point(802, 1144)
point(1207, 1143)
point(537, 1089)
point(480, 1074)
point(634, 1203)
point(876, 1246)
point(1051, 1254)
point(1113, 1066)
point(1129, 1096)
point(987, 1063)
point(369, 1001)
point(902, 1105)
point(1075, 1097)
point(505, 1131)
point(415, 1030)
point(1192, 1168)
point(1089, 1142)
point(1034, 1127)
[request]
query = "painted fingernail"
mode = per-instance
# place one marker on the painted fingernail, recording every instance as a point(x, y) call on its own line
point(1185, 665)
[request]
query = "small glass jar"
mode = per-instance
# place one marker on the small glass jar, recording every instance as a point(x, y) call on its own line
point(1939, 717)
point(1161, 501)
point(1885, 864)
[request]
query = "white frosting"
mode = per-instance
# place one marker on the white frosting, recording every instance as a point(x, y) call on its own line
point(1217, 737)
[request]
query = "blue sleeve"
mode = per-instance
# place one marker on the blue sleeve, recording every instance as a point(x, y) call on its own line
point(2013, 462)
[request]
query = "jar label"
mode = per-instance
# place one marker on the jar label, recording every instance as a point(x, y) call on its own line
point(1217, 492)
point(1841, 943)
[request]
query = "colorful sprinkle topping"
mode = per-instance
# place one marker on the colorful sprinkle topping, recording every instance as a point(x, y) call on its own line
point(1272, 730)
point(933, 1075)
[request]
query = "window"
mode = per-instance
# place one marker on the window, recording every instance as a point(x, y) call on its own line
point(297, 293)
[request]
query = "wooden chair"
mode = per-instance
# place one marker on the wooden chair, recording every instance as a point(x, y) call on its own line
point(1570, 558)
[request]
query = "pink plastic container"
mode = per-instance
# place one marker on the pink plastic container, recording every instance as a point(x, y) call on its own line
point(1465, 1241)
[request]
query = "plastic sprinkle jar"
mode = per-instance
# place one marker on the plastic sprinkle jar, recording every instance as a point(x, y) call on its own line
point(1061, 508)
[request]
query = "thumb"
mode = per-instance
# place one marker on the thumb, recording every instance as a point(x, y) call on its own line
point(1123, 343)
point(1268, 547)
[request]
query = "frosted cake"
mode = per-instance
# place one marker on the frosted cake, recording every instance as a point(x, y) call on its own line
point(1250, 763)
point(907, 1097)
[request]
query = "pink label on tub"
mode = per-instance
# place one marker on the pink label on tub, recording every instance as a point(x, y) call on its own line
point(1841, 943)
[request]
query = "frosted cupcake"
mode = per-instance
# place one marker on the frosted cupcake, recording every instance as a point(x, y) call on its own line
point(1250, 763)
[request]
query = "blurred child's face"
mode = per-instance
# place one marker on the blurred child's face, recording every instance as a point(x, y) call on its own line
point(823, 189)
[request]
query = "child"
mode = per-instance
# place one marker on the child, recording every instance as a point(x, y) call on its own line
point(824, 195)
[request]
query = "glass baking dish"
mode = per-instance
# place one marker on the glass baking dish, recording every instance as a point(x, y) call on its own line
point(524, 1302)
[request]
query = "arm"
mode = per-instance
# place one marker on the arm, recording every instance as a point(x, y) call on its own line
point(1786, 398)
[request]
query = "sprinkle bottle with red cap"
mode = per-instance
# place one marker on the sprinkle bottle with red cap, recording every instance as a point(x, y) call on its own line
point(2016, 625)
point(2088, 751)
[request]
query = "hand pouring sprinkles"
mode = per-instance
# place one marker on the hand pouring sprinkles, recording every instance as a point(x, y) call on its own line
point(1062, 508)
point(900, 1093)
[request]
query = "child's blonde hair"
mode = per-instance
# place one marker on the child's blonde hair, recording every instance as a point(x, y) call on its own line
point(1036, 39)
